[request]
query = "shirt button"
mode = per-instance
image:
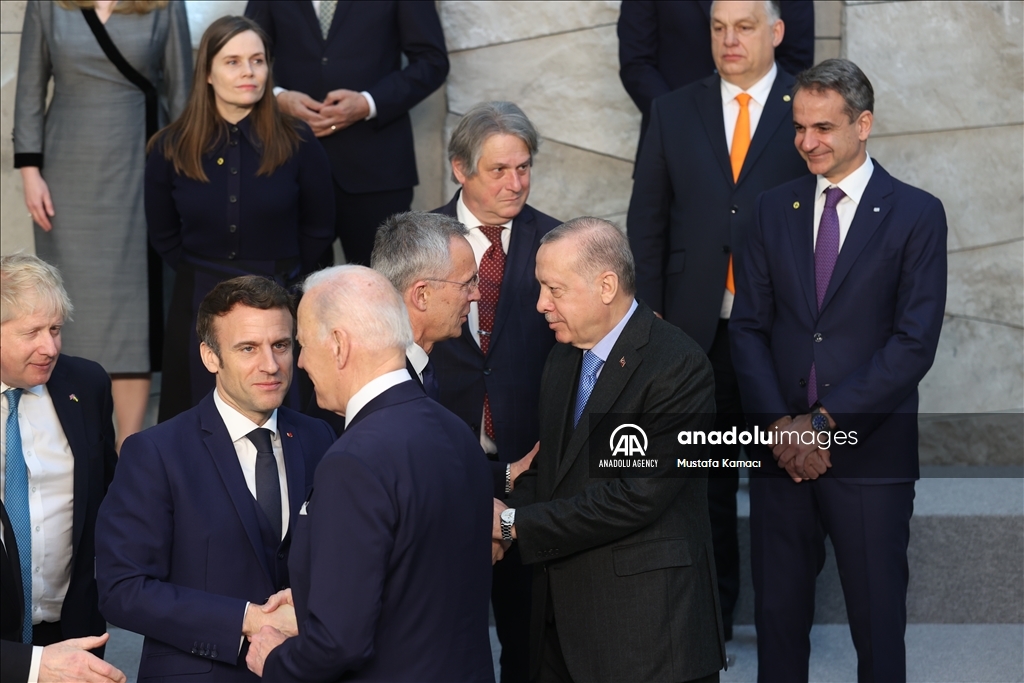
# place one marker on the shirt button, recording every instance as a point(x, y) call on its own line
point(234, 171)
point(37, 528)
point(36, 570)
point(818, 337)
point(234, 129)
point(33, 489)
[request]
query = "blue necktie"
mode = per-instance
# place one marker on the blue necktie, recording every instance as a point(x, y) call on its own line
point(826, 253)
point(16, 502)
point(268, 483)
point(588, 378)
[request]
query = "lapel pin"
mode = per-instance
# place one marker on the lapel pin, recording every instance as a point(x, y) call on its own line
point(288, 434)
point(622, 362)
point(220, 161)
point(796, 205)
point(74, 398)
point(877, 209)
point(786, 98)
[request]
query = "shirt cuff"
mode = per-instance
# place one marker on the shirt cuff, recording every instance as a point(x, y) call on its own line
point(278, 90)
point(241, 641)
point(373, 105)
point(33, 669)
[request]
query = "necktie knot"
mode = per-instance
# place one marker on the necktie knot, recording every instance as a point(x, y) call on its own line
point(261, 439)
point(13, 397)
point(744, 99)
point(591, 364)
point(832, 197)
point(493, 233)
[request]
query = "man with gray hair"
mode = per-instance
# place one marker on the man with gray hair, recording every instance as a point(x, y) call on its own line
point(609, 547)
point(390, 562)
point(57, 457)
point(490, 375)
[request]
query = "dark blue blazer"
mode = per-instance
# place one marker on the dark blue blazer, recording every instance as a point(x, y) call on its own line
point(520, 343)
point(181, 546)
point(666, 44)
point(363, 51)
point(687, 214)
point(876, 334)
point(390, 562)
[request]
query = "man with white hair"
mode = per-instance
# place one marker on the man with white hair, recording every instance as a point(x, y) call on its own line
point(57, 458)
point(390, 560)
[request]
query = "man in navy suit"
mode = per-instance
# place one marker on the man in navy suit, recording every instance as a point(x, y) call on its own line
point(711, 149)
point(665, 44)
point(58, 457)
point(839, 306)
point(490, 375)
point(193, 536)
point(338, 67)
point(390, 563)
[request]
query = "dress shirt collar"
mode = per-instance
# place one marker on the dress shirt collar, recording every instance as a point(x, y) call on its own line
point(418, 357)
point(604, 347)
point(239, 425)
point(758, 92)
point(853, 185)
point(371, 390)
point(467, 218)
point(37, 390)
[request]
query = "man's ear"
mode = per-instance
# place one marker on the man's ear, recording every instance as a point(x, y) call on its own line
point(341, 347)
point(458, 172)
point(417, 295)
point(609, 284)
point(210, 358)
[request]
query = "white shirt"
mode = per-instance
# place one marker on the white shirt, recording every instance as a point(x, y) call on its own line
point(759, 93)
point(853, 186)
point(239, 426)
point(51, 487)
point(418, 358)
point(604, 347)
point(371, 390)
point(478, 240)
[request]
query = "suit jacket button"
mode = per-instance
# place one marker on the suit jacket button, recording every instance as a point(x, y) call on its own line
point(818, 337)
point(487, 371)
point(735, 208)
point(323, 60)
point(281, 554)
point(231, 255)
point(803, 383)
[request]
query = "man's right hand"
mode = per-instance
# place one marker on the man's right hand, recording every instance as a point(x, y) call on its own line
point(521, 465)
point(280, 616)
point(302, 106)
point(70, 660)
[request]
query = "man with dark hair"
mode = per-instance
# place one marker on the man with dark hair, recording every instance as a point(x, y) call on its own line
point(194, 534)
point(490, 375)
point(623, 580)
point(840, 297)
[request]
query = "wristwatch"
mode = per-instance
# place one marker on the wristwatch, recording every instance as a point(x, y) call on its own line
point(508, 479)
point(819, 421)
point(508, 518)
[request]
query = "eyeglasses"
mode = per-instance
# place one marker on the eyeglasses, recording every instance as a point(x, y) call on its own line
point(470, 284)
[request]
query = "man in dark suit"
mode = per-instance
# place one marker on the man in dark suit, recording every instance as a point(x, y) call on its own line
point(338, 67)
point(839, 306)
point(490, 375)
point(665, 44)
point(193, 536)
point(390, 564)
point(57, 457)
point(624, 575)
point(712, 148)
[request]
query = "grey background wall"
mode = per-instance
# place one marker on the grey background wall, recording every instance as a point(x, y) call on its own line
point(949, 82)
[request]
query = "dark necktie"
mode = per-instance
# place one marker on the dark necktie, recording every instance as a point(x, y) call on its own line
point(268, 483)
point(826, 252)
point(430, 381)
point(588, 378)
point(16, 502)
point(492, 270)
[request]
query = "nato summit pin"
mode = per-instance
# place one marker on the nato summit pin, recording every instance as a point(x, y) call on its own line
point(786, 98)
point(796, 205)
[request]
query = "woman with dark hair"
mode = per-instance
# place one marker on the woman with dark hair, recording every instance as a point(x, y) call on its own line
point(112, 65)
point(233, 187)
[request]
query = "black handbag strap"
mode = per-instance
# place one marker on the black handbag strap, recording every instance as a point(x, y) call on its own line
point(126, 69)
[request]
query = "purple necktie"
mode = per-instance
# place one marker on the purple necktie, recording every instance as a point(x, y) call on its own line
point(826, 251)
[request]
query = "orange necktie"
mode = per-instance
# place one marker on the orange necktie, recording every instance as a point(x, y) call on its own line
point(740, 145)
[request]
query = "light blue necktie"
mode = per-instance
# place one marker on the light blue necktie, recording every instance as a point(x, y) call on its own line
point(588, 378)
point(16, 502)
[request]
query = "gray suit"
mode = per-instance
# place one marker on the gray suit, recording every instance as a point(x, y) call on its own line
point(624, 565)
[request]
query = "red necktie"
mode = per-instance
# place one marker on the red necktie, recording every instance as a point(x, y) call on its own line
point(492, 270)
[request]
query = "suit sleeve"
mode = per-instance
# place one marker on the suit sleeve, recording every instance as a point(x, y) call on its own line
point(422, 42)
point(110, 457)
point(16, 661)
point(177, 61)
point(348, 567)
point(648, 217)
point(638, 53)
point(134, 543)
point(796, 52)
point(34, 71)
point(683, 396)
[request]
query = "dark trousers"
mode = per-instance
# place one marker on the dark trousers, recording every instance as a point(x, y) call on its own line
point(724, 482)
point(357, 217)
point(870, 528)
point(511, 589)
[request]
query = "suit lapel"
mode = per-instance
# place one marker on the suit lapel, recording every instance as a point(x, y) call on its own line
point(774, 113)
point(294, 465)
point(222, 452)
point(800, 223)
point(865, 222)
point(709, 104)
point(309, 14)
point(524, 230)
point(562, 389)
point(339, 17)
point(69, 411)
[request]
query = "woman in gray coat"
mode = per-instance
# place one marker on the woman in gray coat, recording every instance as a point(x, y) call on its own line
point(82, 160)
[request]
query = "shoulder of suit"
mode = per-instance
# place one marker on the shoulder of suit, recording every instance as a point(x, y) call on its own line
point(82, 369)
point(544, 222)
point(301, 420)
point(665, 333)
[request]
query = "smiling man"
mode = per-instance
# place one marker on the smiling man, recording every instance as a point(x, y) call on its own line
point(194, 534)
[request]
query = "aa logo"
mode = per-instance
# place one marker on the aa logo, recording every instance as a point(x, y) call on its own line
point(628, 440)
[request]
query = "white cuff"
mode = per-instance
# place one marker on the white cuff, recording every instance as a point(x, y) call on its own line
point(37, 660)
point(278, 90)
point(373, 105)
point(241, 641)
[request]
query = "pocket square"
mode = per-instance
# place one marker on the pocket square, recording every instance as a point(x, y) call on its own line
point(302, 510)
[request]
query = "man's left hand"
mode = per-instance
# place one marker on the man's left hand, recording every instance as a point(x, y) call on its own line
point(341, 109)
point(260, 647)
point(800, 442)
point(499, 507)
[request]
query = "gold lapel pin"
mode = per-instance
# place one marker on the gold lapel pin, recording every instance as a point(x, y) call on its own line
point(220, 161)
point(796, 205)
point(786, 98)
point(622, 362)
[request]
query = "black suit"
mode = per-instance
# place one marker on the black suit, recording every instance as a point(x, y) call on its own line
point(15, 656)
point(686, 217)
point(510, 375)
point(623, 567)
point(373, 162)
point(80, 391)
point(665, 45)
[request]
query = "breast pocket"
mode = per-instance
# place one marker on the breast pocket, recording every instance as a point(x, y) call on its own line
point(651, 555)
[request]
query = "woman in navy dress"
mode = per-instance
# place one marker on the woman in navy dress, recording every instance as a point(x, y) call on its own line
point(233, 187)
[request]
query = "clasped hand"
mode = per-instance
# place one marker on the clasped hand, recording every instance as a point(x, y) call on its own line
point(267, 626)
point(800, 455)
point(340, 109)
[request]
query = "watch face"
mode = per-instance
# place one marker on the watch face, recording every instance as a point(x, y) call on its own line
point(819, 422)
point(508, 515)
